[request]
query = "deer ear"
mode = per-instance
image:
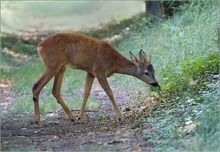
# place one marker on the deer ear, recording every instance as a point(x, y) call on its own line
point(143, 56)
point(135, 60)
point(150, 58)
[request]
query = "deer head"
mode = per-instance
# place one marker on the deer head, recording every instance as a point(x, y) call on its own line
point(145, 70)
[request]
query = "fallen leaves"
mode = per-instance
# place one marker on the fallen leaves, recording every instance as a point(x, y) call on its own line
point(144, 108)
point(6, 95)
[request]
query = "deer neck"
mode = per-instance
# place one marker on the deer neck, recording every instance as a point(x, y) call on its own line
point(125, 66)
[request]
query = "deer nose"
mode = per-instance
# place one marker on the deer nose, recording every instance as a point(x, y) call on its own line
point(155, 84)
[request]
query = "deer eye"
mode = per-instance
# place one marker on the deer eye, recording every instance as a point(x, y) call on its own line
point(146, 73)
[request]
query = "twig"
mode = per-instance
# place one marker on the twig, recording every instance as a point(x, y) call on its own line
point(85, 110)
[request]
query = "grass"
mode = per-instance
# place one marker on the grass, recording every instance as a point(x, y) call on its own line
point(188, 120)
point(23, 79)
point(184, 36)
point(178, 44)
point(49, 104)
point(186, 61)
point(27, 75)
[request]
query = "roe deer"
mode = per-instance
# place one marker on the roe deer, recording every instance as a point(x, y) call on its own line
point(96, 57)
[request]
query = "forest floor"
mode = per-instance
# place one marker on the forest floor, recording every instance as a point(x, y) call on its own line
point(101, 131)
point(185, 118)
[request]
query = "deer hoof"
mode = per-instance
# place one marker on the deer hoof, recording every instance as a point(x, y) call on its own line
point(121, 119)
point(74, 120)
point(80, 121)
point(39, 123)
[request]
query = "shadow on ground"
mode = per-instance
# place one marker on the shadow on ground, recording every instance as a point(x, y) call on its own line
point(18, 131)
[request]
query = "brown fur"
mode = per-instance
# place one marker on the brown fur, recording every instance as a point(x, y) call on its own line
point(96, 57)
point(81, 52)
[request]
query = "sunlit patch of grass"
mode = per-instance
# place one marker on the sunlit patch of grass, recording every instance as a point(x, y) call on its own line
point(27, 75)
point(48, 103)
point(23, 104)
point(73, 80)
point(94, 104)
point(24, 78)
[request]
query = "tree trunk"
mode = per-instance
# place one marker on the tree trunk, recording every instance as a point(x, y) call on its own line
point(155, 8)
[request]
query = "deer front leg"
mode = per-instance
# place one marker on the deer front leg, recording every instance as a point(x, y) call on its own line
point(104, 83)
point(56, 92)
point(87, 90)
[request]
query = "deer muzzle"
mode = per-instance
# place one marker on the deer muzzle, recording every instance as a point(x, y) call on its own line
point(155, 84)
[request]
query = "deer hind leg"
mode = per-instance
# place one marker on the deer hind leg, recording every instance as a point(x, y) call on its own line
point(45, 78)
point(87, 90)
point(56, 92)
point(104, 83)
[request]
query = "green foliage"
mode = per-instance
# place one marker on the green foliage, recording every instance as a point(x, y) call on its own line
point(102, 116)
point(5, 65)
point(179, 44)
point(25, 77)
point(17, 44)
point(188, 70)
point(27, 48)
point(186, 60)
point(188, 120)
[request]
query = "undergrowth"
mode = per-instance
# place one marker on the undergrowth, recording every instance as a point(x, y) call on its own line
point(186, 60)
point(187, 120)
